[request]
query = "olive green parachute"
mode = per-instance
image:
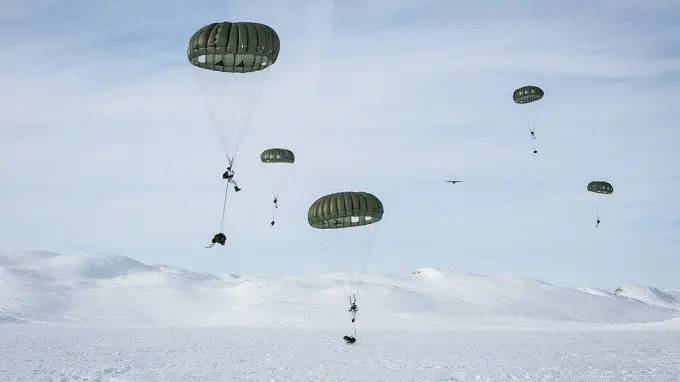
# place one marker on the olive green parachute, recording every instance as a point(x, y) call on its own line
point(278, 167)
point(527, 94)
point(347, 224)
point(277, 155)
point(232, 63)
point(600, 187)
point(345, 209)
point(240, 47)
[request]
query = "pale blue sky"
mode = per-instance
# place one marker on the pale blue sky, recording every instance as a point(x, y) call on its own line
point(106, 144)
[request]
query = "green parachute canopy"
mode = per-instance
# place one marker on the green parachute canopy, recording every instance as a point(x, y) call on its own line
point(344, 210)
point(240, 47)
point(231, 62)
point(527, 94)
point(600, 187)
point(277, 155)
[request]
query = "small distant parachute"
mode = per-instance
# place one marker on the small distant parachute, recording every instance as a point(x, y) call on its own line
point(277, 161)
point(277, 156)
point(527, 94)
point(600, 187)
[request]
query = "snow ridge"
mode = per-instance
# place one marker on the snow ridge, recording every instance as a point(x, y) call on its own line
point(95, 288)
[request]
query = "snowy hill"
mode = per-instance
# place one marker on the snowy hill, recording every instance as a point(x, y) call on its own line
point(650, 295)
point(48, 287)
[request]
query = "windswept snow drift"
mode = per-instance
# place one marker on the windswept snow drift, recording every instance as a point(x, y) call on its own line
point(89, 288)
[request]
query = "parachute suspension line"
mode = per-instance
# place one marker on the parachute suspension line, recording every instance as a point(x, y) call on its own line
point(532, 128)
point(220, 133)
point(336, 248)
point(368, 250)
point(524, 115)
point(231, 99)
point(350, 257)
point(256, 98)
point(224, 206)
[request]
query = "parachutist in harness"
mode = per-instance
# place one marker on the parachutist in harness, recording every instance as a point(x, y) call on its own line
point(276, 205)
point(597, 223)
point(353, 307)
point(535, 152)
point(229, 176)
point(219, 238)
point(353, 310)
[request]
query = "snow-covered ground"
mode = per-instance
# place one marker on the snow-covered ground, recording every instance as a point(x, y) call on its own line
point(96, 317)
point(85, 353)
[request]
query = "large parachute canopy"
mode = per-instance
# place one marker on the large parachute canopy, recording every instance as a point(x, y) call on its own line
point(232, 62)
point(600, 187)
point(527, 94)
point(345, 210)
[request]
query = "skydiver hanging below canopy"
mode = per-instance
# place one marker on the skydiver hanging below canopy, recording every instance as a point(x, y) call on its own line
point(219, 238)
point(229, 175)
point(597, 222)
point(353, 311)
point(533, 136)
point(353, 306)
point(276, 205)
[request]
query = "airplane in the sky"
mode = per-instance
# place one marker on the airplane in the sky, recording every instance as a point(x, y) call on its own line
point(453, 181)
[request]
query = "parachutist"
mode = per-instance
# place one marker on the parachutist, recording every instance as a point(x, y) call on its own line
point(597, 223)
point(353, 306)
point(229, 176)
point(272, 223)
point(349, 339)
point(276, 201)
point(533, 136)
point(219, 238)
point(535, 152)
